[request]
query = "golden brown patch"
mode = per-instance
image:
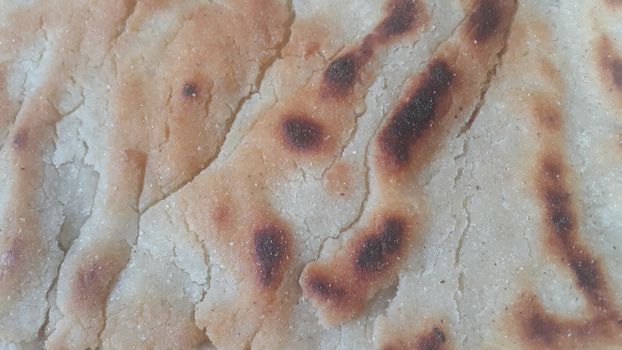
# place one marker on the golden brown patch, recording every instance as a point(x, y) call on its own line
point(135, 157)
point(133, 174)
point(221, 215)
point(609, 65)
point(613, 3)
point(338, 179)
point(546, 112)
point(552, 74)
point(311, 48)
point(92, 282)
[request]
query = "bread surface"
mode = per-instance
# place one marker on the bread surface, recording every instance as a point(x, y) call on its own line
point(311, 174)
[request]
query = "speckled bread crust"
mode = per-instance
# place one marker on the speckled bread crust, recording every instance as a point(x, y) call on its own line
point(313, 174)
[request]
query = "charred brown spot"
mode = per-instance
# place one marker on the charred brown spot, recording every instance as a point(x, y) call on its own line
point(433, 340)
point(485, 20)
point(271, 250)
point(610, 64)
point(616, 71)
point(416, 115)
point(586, 272)
point(552, 169)
point(325, 289)
point(559, 213)
point(540, 328)
point(190, 90)
point(302, 133)
point(557, 200)
point(376, 250)
point(560, 220)
point(20, 141)
point(401, 18)
point(340, 76)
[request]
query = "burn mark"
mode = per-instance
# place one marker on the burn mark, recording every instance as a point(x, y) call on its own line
point(485, 20)
point(20, 140)
point(432, 339)
point(374, 255)
point(271, 251)
point(342, 73)
point(416, 115)
point(302, 133)
point(341, 286)
point(542, 329)
point(190, 89)
point(538, 327)
point(340, 76)
point(587, 273)
point(560, 220)
point(402, 15)
point(325, 289)
point(559, 214)
point(610, 65)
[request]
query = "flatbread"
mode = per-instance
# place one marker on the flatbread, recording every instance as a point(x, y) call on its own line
point(387, 174)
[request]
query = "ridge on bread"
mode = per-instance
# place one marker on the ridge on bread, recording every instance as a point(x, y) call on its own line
point(312, 174)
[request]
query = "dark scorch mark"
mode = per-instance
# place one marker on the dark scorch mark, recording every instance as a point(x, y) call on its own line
point(301, 133)
point(374, 255)
point(402, 17)
point(341, 74)
point(433, 339)
point(271, 251)
point(485, 20)
point(190, 90)
point(417, 114)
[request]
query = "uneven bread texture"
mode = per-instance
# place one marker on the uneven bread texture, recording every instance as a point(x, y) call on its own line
point(387, 174)
point(47, 176)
